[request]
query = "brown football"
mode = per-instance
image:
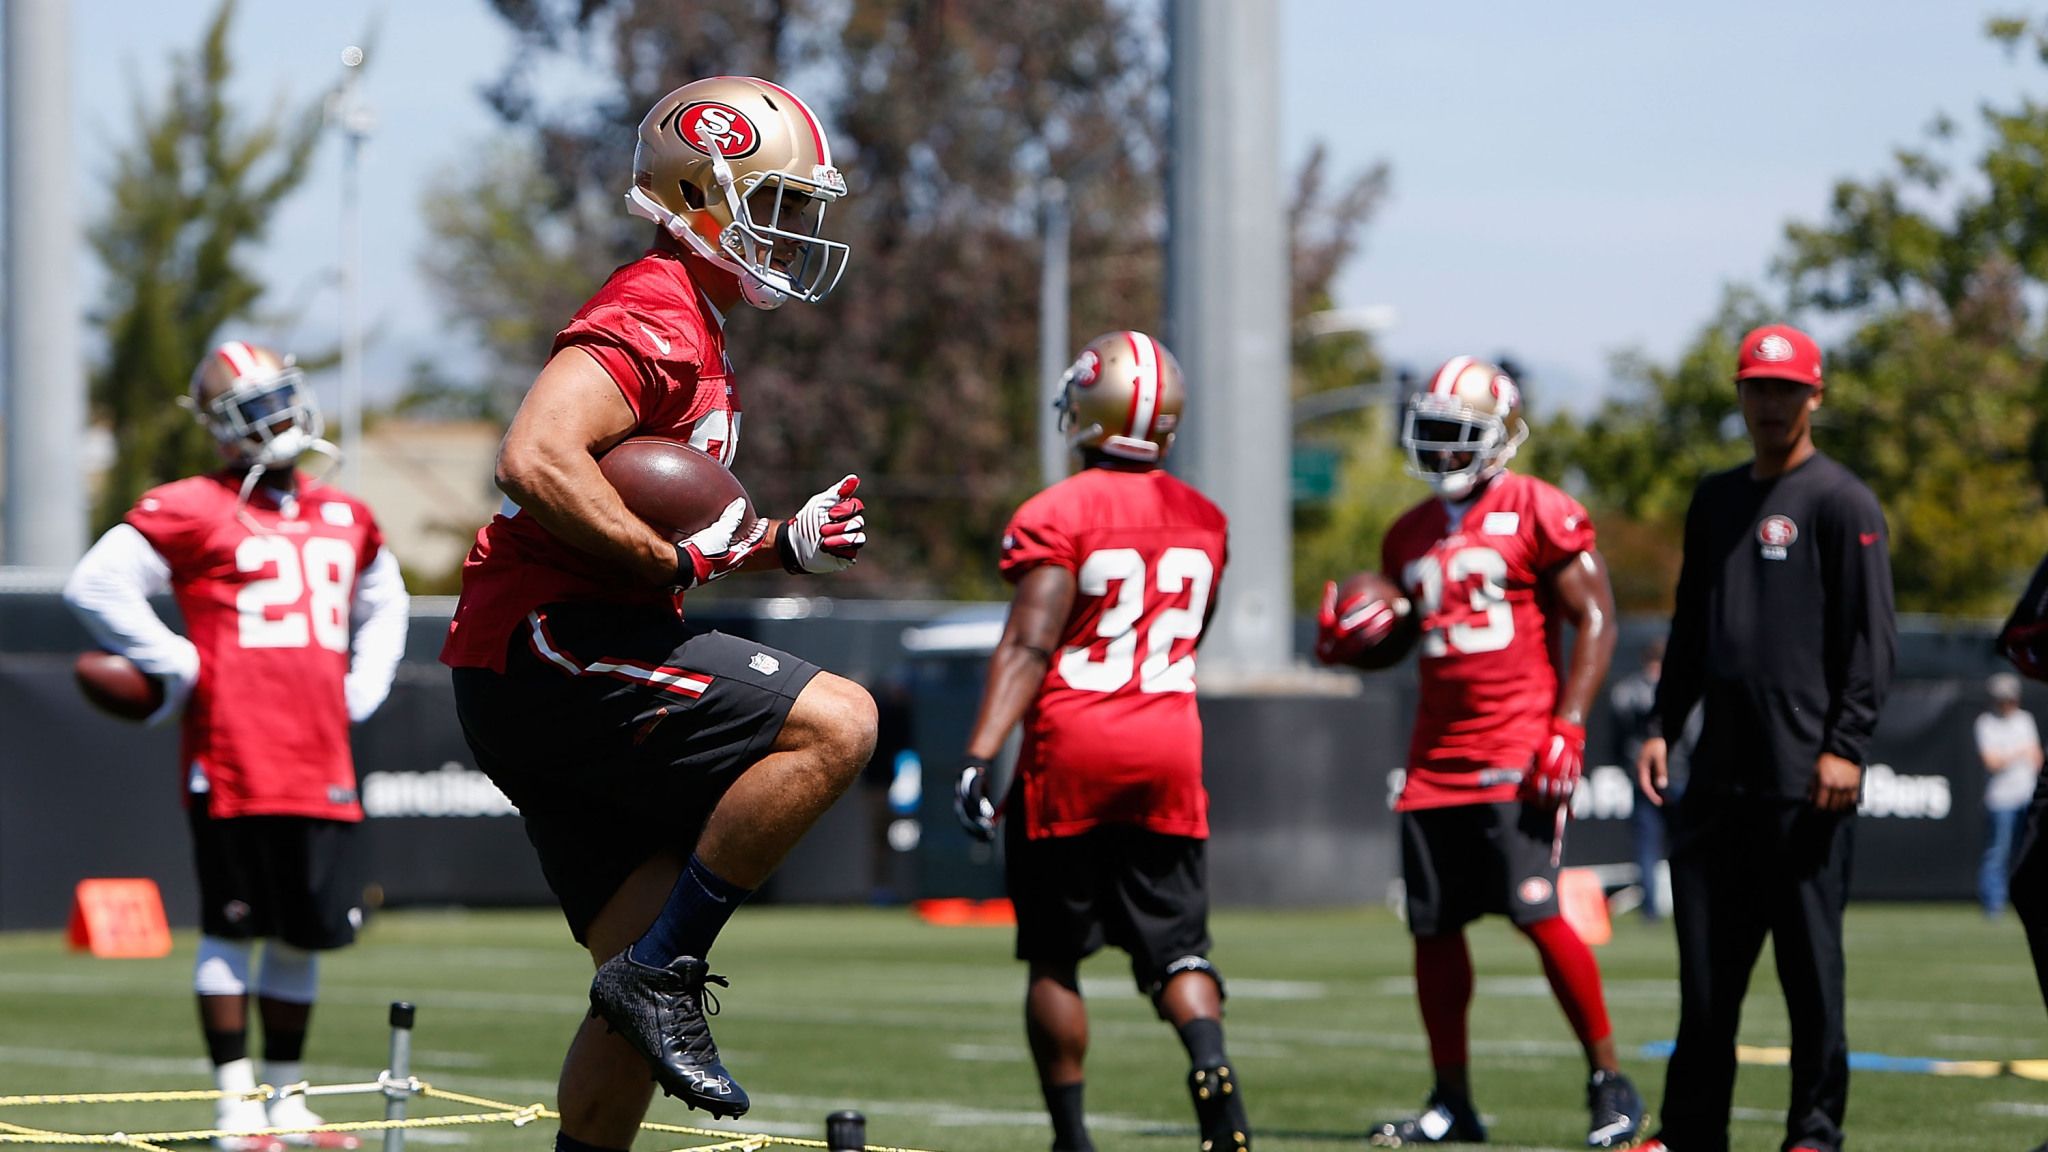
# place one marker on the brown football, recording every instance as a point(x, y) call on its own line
point(1390, 648)
point(116, 686)
point(674, 487)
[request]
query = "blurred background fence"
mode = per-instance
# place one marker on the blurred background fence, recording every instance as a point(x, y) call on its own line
point(1300, 781)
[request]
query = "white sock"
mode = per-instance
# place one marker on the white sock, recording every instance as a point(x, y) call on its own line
point(278, 1073)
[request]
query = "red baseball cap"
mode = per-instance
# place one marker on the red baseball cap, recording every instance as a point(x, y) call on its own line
point(1779, 352)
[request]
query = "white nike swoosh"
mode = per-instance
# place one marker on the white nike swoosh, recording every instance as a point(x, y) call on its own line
point(658, 341)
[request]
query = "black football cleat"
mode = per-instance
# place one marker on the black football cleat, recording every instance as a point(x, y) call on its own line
point(1443, 1121)
point(1219, 1110)
point(660, 1012)
point(1616, 1108)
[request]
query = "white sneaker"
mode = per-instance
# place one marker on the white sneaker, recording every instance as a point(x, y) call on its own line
point(243, 1116)
point(291, 1112)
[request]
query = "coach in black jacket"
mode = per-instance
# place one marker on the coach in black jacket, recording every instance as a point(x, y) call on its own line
point(1784, 628)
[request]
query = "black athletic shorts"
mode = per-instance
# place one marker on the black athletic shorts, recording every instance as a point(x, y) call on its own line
point(296, 878)
point(1461, 863)
point(615, 729)
point(1143, 891)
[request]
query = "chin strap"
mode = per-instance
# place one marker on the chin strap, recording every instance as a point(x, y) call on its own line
point(752, 290)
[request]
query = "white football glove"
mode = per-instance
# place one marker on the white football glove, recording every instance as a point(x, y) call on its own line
point(713, 551)
point(826, 534)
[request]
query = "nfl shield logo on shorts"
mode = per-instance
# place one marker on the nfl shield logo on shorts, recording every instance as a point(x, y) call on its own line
point(765, 664)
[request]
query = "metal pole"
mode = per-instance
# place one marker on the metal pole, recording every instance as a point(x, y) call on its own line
point(356, 122)
point(396, 1089)
point(1053, 310)
point(846, 1132)
point(1227, 317)
point(45, 411)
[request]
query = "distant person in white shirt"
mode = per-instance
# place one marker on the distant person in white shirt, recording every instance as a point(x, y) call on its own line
point(2010, 746)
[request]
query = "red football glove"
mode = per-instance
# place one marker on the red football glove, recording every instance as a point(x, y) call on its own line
point(1343, 631)
point(826, 534)
point(2027, 647)
point(1559, 764)
point(718, 549)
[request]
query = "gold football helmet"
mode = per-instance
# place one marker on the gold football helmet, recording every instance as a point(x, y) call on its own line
point(1123, 395)
point(739, 169)
point(256, 404)
point(1464, 427)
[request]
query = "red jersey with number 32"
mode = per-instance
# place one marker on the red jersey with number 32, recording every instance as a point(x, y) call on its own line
point(266, 593)
point(1489, 680)
point(1113, 737)
point(664, 346)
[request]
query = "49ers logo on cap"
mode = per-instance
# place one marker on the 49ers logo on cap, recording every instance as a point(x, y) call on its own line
point(1505, 391)
point(1774, 348)
point(1776, 534)
point(722, 126)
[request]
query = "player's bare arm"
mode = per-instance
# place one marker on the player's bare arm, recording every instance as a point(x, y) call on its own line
point(1584, 595)
point(1038, 610)
point(1580, 589)
point(548, 466)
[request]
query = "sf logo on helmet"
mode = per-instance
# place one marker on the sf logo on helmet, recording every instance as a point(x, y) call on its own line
point(706, 125)
point(1086, 370)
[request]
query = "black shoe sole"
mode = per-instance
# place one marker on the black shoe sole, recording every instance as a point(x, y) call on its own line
point(716, 1108)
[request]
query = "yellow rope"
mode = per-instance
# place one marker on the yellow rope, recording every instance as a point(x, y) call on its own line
point(261, 1093)
point(496, 1112)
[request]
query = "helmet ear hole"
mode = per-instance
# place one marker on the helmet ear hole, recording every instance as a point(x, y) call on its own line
point(692, 196)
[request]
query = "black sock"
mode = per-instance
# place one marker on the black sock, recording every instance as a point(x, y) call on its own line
point(696, 911)
point(1069, 1132)
point(567, 1143)
point(1203, 1038)
point(226, 1047)
point(283, 1047)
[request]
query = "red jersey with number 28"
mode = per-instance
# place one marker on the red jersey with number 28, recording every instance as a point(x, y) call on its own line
point(1113, 737)
point(266, 593)
point(1489, 679)
point(664, 346)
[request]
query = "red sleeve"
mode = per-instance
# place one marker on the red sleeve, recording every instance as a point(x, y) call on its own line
point(173, 523)
point(648, 364)
point(1562, 528)
point(1033, 540)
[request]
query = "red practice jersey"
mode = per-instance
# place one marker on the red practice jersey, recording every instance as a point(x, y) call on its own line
point(1113, 737)
point(266, 598)
point(1489, 678)
point(664, 345)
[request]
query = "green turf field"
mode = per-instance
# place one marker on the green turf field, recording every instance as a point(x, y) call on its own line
point(919, 1027)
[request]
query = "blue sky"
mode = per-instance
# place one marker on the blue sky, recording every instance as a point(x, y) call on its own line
point(1569, 180)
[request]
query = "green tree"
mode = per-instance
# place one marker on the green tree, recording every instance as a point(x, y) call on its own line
point(1936, 388)
point(191, 192)
point(1341, 534)
point(947, 119)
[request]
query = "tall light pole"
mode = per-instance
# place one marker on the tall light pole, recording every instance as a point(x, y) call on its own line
point(1226, 259)
point(1053, 290)
point(45, 513)
point(348, 112)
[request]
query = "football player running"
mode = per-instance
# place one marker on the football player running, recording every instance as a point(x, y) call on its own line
point(663, 769)
point(1116, 569)
point(1495, 565)
point(295, 618)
